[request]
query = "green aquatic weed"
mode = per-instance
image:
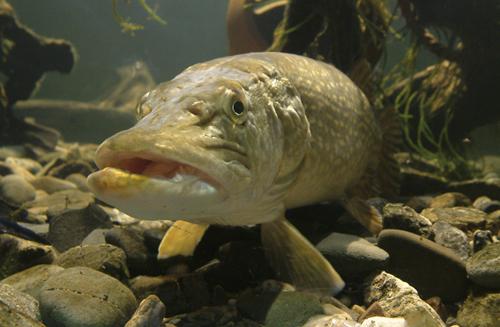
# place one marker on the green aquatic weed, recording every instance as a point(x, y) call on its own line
point(125, 22)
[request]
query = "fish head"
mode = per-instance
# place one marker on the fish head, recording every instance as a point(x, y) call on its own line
point(218, 144)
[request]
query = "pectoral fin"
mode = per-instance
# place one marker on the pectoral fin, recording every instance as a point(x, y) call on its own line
point(181, 239)
point(367, 215)
point(296, 260)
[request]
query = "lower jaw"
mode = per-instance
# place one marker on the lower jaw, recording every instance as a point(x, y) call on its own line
point(154, 198)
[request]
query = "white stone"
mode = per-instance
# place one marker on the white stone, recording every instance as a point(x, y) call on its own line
point(399, 299)
point(384, 322)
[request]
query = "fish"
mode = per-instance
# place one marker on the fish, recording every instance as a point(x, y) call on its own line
point(238, 140)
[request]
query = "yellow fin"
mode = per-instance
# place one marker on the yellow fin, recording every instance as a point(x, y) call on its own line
point(181, 239)
point(296, 260)
point(367, 215)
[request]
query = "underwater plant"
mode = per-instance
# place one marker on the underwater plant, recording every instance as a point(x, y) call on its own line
point(438, 105)
point(125, 22)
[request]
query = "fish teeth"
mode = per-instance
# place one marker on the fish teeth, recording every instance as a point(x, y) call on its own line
point(183, 178)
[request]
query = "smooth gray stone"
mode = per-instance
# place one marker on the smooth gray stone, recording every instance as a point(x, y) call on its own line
point(150, 313)
point(80, 181)
point(52, 184)
point(71, 227)
point(60, 202)
point(139, 260)
point(284, 309)
point(13, 151)
point(105, 258)
point(81, 296)
point(484, 266)
point(352, 256)
point(31, 280)
point(18, 301)
point(40, 229)
point(432, 269)
point(29, 164)
point(486, 204)
point(399, 216)
point(97, 236)
point(17, 254)
point(15, 190)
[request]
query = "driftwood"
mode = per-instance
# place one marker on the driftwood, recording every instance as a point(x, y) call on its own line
point(24, 58)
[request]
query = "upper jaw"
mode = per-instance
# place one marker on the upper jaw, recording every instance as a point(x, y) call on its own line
point(164, 160)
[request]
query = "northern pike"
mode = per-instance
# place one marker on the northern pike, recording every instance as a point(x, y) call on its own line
point(238, 140)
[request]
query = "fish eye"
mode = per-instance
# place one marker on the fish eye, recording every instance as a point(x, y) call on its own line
point(238, 108)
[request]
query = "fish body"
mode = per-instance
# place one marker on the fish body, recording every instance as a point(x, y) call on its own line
point(308, 134)
point(237, 140)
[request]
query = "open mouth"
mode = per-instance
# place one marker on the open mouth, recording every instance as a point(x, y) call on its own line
point(164, 169)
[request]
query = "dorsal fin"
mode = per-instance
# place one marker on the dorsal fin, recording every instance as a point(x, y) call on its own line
point(388, 175)
point(381, 178)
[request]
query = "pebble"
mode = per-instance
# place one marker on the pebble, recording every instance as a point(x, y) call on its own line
point(118, 217)
point(452, 238)
point(486, 204)
point(60, 202)
point(29, 164)
point(9, 317)
point(480, 239)
point(39, 229)
point(481, 309)
point(465, 219)
point(150, 313)
point(484, 266)
point(52, 184)
point(419, 203)
point(72, 167)
point(352, 256)
point(450, 200)
point(15, 190)
point(437, 304)
point(284, 309)
point(399, 300)
point(31, 280)
point(429, 267)
point(399, 216)
point(139, 260)
point(330, 321)
point(477, 187)
point(384, 322)
point(33, 216)
point(13, 151)
point(80, 181)
point(179, 294)
point(81, 296)
point(5, 169)
point(72, 226)
point(24, 173)
point(493, 222)
point(18, 301)
point(18, 254)
point(97, 236)
point(105, 258)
